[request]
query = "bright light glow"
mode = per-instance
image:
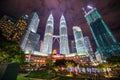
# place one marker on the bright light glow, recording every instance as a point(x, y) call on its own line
point(70, 55)
point(58, 56)
point(27, 52)
point(90, 7)
point(39, 53)
point(82, 53)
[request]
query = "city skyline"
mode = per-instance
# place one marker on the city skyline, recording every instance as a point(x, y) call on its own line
point(73, 14)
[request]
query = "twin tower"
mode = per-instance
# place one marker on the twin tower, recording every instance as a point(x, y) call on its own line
point(48, 36)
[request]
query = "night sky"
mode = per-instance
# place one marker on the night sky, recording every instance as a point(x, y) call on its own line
point(71, 9)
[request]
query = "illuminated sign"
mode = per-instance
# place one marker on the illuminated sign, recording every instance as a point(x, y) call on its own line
point(70, 55)
point(27, 52)
point(39, 53)
point(57, 56)
point(82, 53)
point(54, 51)
point(27, 58)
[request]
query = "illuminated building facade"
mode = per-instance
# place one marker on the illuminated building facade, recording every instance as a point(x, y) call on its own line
point(37, 47)
point(79, 40)
point(41, 45)
point(31, 38)
point(21, 27)
point(64, 46)
point(33, 26)
point(48, 37)
point(12, 29)
point(107, 44)
point(32, 41)
point(88, 45)
point(7, 27)
point(73, 46)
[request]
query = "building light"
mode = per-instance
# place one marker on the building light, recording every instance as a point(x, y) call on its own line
point(90, 7)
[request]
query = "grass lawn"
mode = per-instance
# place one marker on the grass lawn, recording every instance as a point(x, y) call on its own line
point(19, 77)
point(41, 75)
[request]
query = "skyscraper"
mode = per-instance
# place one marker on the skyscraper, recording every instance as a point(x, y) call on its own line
point(64, 49)
point(79, 40)
point(33, 26)
point(48, 37)
point(41, 45)
point(73, 46)
point(88, 45)
point(12, 29)
point(21, 27)
point(107, 44)
point(29, 40)
point(32, 41)
point(7, 27)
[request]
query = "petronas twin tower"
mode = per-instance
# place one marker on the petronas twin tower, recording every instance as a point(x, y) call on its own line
point(48, 37)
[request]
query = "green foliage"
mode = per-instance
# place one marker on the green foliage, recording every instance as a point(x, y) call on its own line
point(19, 77)
point(60, 62)
point(10, 52)
point(104, 65)
point(64, 62)
point(113, 59)
point(68, 63)
point(41, 74)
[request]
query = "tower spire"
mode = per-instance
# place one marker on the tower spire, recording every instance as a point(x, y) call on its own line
point(64, 49)
point(48, 39)
point(84, 10)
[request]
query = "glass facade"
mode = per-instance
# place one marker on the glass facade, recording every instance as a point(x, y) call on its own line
point(48, 37)
point(32, 41)
point(73, 46)
point(31, 38)
point(79, 40)
point(88, 45)
point(34, 23)
point(64, 46)
point(104, 39)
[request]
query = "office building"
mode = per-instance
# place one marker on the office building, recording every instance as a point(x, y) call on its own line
point(106, 43)
point(79, 40)
point(64, 46)
point(48, 37)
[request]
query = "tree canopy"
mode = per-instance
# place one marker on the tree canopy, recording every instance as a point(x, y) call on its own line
point(10, 51)
point(113, 59)
point(63, 62)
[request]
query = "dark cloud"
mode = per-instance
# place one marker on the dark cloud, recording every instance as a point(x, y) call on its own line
point(71, 9)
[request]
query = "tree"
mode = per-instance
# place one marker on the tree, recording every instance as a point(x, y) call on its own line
point(113, 59)
point(60, 62)
point(10, 52)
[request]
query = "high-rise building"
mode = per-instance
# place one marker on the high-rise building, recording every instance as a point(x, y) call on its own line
point(33, 26)
point(73, 46)
point(79, 40)
point(32, 41)
point(37, 47)
point(48, 37)
point(41, 45)
point(28, 42)
point(107, 44)
point(12, 29)
point(64, 46)
point(20, 28)
point(7, 27)
point(88, 45)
